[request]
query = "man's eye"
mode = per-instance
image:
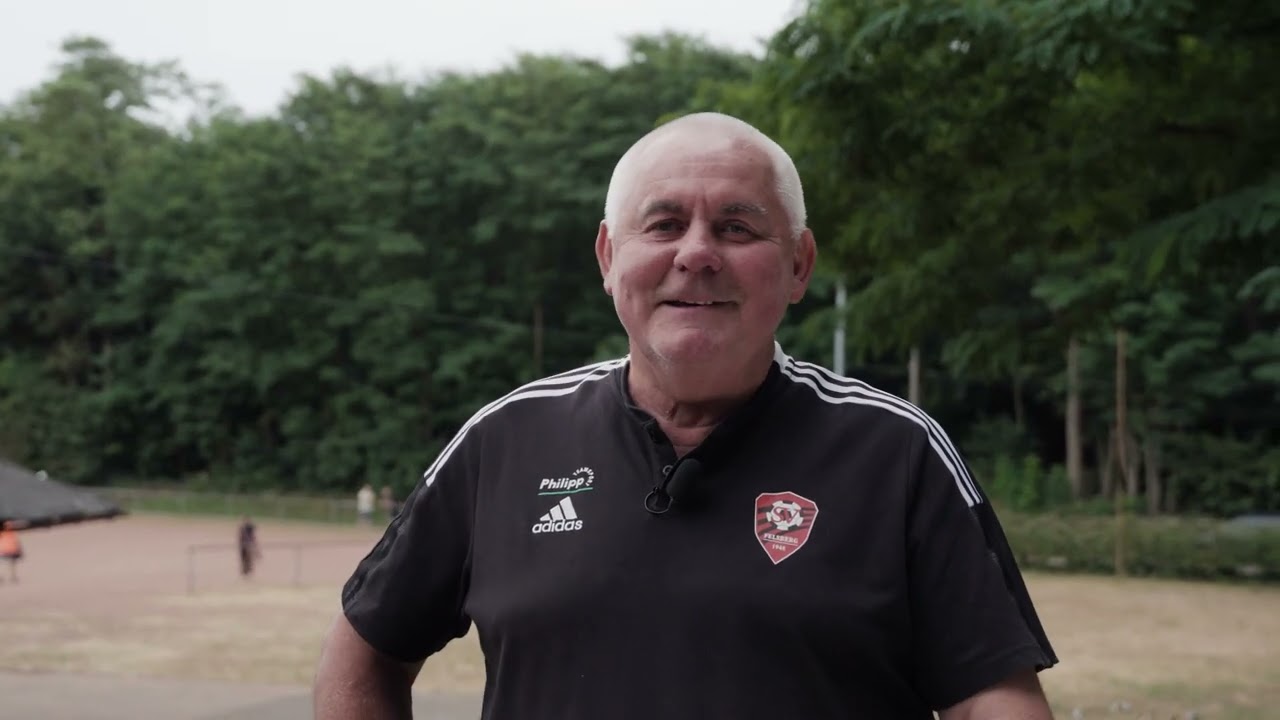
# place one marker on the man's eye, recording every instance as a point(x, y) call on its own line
point(737, 229)
point(666, 226)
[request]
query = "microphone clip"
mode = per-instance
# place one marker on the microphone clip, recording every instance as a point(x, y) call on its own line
point(657, 502)
point(680, 486)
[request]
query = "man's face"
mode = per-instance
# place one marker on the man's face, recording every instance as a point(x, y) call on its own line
point(702, 264)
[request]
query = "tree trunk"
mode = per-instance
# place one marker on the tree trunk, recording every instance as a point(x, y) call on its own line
point(1075, 450)
point(1133, 468)
point(537, 338)
point(1151, 461)
point(106, 363)
point(1019, 407)
point(1170, 492)
point(1106, 479)
point(1122, 442)
point(913, 376)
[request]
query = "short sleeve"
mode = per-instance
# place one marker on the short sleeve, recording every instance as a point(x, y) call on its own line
point(406, 597)
point(973, 620)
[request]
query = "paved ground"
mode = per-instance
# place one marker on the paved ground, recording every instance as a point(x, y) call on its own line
point(117, 567)
point(101, 625)
point(97, 697)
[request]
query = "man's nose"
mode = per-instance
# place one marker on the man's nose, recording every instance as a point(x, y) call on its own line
point(698, 251)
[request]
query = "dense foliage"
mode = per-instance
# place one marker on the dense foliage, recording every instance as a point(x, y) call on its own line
point(321, 296)
point(1036, 194)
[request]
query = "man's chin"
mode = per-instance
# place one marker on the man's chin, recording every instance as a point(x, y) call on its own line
point(694, 347)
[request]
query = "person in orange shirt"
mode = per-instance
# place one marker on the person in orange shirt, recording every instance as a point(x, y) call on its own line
point(10, 547)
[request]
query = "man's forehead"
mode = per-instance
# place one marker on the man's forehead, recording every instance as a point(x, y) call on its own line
point(661, 205)
point(711, 172)
point(703, 151)
point(722, 191)
point(726, 173)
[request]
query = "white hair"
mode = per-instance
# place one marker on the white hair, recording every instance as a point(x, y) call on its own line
point(785, 174)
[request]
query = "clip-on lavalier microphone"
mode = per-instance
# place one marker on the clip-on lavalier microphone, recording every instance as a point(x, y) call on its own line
point(678, 486)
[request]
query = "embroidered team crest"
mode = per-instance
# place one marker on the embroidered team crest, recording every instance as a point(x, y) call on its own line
point(783, 523)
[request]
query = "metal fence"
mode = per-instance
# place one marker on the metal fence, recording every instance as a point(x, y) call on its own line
point(215, 566)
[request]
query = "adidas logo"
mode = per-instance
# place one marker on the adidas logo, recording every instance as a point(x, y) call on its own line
point(562, 518)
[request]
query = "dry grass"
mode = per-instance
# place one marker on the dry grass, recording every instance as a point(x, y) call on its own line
point(258, 635)
point(1164, 648)
point(1161, 647)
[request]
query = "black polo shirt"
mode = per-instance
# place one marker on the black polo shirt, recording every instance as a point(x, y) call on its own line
point(832, 559)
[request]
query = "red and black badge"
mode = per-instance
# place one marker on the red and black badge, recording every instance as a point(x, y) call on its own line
point(783, 523)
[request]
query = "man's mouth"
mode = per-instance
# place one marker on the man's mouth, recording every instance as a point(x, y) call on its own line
point(694, 303)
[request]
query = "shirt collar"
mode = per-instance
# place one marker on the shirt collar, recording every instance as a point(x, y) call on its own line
point(737, 421)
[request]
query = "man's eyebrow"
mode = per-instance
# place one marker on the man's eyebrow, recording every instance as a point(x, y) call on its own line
point(743, 208)
point(662, 207)
point(658, 207)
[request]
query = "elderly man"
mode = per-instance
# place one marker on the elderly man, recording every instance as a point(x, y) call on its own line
point(593, 525)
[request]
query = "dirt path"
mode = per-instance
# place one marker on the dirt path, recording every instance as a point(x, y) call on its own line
point(109, 600)
point(88, 697)
point(108, 568)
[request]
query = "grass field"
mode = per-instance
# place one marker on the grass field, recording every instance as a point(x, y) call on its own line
point(1128, 647)
point(154, 500)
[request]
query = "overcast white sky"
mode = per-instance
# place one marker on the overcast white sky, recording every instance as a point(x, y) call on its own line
point(254, 48)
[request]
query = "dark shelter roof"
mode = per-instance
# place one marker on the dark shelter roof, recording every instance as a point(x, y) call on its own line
point(35, 501)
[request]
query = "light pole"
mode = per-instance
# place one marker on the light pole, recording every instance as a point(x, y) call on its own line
point(837, 350)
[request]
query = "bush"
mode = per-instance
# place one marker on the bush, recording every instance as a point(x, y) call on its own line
point(1223, 476)
point(991, 437)
point(1025, 485)
point(1168, 547)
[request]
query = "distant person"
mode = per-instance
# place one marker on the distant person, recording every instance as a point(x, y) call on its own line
point(11, 547)
point(388, 502)
point(364, 504)
point(250, 552)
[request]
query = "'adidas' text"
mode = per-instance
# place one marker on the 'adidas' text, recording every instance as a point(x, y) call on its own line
point(562, 518)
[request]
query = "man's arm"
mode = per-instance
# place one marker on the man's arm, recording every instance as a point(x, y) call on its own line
point(356, 681)
point(977, 638)
point(1018, 697)
point(406, 598)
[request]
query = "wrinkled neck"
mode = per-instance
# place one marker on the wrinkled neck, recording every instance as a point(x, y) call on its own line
point(689, 404)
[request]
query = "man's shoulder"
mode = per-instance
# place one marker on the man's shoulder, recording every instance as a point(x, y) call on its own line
point(844, 399)
point(548, 402)
point(843, 407)
point(549, 395)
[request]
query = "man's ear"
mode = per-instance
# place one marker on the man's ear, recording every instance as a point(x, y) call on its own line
point(604, 255)
point(804, 258)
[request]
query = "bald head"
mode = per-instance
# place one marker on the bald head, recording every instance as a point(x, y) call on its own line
point(707, 131)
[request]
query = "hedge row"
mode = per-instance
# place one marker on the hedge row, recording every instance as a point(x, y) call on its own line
point(1170, 547)
point(1165, 546)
